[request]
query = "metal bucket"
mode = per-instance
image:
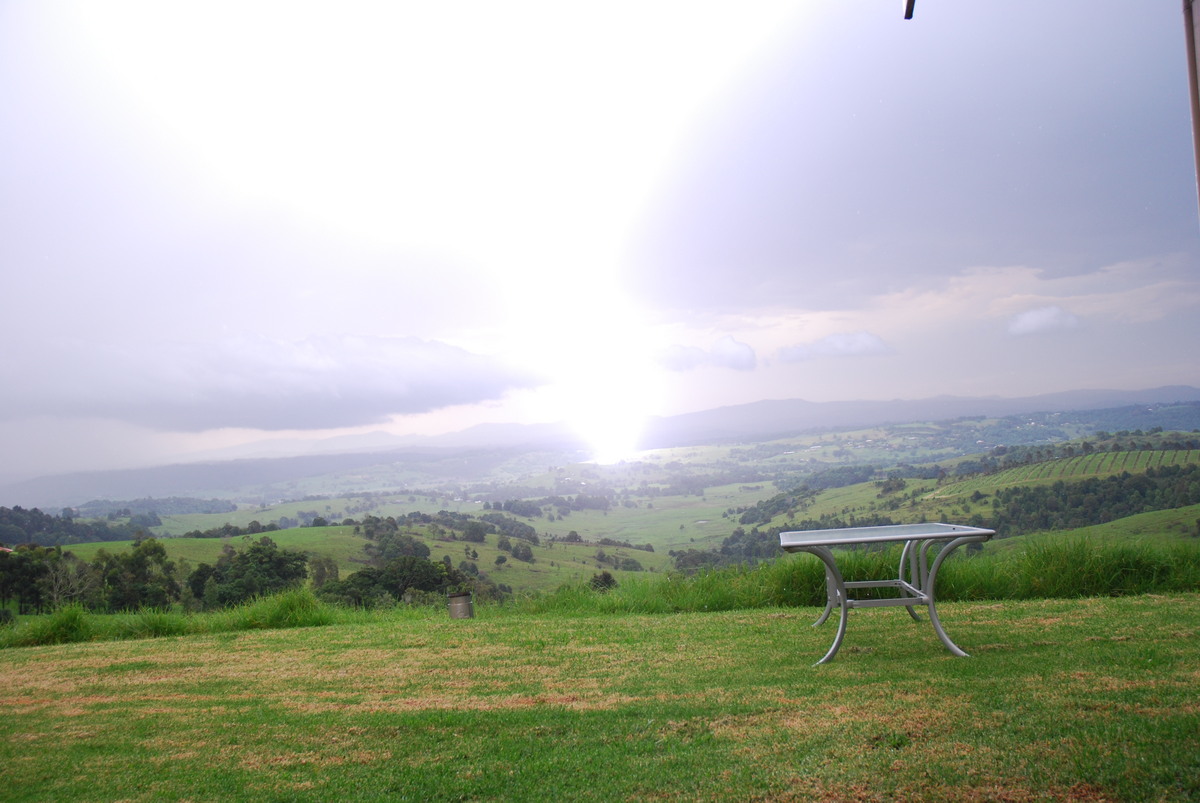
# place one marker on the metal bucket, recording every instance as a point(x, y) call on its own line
point(461, 605)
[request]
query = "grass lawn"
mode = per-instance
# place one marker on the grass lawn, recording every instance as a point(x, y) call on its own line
point(1092, 699)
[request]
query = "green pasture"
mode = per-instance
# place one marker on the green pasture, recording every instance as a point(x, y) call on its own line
point(666, 522)
point(953, 501)
point(334, 510)
point(339, 543)
point(1091, 699)
point(1159, 528)
point(1068, 469)
point(554, 563)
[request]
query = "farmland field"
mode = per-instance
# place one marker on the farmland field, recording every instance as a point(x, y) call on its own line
point(1098, 464)
point(554, 563)
point(1061, 700)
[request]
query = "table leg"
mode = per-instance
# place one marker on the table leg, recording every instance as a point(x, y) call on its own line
point(832, 575)
point(929, 590)
point(908, 555)
point(830, 598)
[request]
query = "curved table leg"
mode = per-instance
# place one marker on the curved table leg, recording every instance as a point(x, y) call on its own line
point(833, 577)
point(933, 617)
point(909, 556)
point(830, 598)
point(824, 614)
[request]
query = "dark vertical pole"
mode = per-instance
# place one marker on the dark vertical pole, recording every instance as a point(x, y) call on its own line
point(908, 8)
point(1189, 24)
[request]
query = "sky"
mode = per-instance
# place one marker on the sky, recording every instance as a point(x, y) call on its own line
point(228, 223)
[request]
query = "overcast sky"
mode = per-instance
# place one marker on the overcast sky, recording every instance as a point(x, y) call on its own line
point(224, 222)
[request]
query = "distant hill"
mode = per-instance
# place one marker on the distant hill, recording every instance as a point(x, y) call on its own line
point(469, 455)
point(766, 419)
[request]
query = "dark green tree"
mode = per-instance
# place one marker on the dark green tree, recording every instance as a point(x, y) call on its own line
point(143, 577)
point(260, 569)
point(322, 569)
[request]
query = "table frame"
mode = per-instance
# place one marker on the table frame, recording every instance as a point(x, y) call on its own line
point(917, 589)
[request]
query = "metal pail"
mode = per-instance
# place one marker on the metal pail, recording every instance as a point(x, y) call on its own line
point(461, 605)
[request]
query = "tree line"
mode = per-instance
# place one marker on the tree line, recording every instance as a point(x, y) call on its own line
point(39, 579)
point(1015, 511)
point(21, 526)
point(1069, 505)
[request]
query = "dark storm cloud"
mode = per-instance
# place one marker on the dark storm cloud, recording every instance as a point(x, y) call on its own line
point(881, 154)
point(316, 383)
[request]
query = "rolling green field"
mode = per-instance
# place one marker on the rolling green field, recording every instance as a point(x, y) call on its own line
point(667, 686)
point(957, 500)
point(1090, 699)
point(339, 543)
point(554, 563)
point(1097, 464)
point(667, 522)
point(681, 521)
point(1160, 528)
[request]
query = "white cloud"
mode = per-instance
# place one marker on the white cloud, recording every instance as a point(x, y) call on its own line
point(261, 383)
point(1042, 319)
point(725, 353)
point(844, 344)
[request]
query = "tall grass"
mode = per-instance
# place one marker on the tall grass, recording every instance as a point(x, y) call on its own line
point(72, 623)
point(1047, 569)
point(1075, 568)
point(68, 624)
point(1066, 568)
point(295, 608)
point(149, 623)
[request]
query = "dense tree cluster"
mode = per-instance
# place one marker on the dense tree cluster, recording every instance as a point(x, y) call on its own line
point(566, 504)
point(20, 526)
point(625, 544)
point(691, 560)
point(392, 545)
point(511, 527)
point(748, 547)
point(41, 578)
point(621, 562)
point(233, 531)
point(260, 569)
point(169, 506)
point(839, 477)
point(519, 550)
point(476, 532)
point(519, 507)
point(1067, 505)
point(409, 576)
point(767, 509)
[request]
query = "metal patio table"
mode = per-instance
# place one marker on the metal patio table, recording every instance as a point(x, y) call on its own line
point(917, 589)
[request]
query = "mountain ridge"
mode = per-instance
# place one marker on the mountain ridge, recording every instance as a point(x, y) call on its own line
point(761, 420)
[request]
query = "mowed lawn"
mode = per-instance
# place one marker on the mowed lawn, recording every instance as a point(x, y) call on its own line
point(1095, 699)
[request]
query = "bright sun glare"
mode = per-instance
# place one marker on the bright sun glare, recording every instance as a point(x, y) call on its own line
point(577, 325)
point(523, 140)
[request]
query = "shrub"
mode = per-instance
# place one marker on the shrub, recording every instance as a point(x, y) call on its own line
point(68, 624)
point(296, 608)
point(603, 581)
point(152, 623)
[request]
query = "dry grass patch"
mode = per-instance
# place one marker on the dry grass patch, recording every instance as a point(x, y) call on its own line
point(622, 707)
